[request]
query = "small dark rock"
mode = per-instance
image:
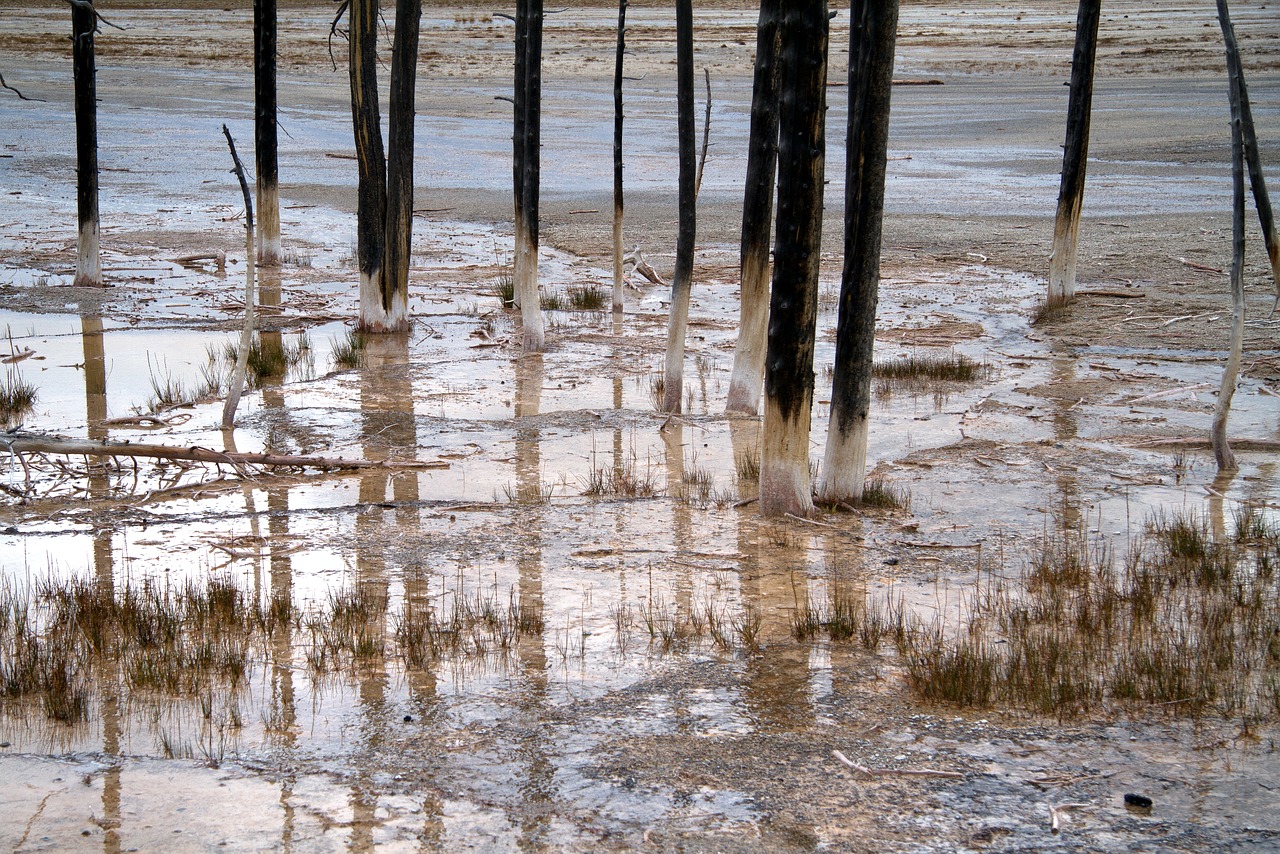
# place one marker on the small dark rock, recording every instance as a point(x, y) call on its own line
point(891, 561)
point(1137, 802)
point(408, 719)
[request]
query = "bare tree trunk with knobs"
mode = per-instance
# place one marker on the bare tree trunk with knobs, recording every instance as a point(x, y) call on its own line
point(1075, 156)
point(757, 219)
point(1221, 450)
point(266, 138)
point(874, 26)
point(526, 177)
point(617, 158)
point(681, 279)
point(785, 486)
point(84, 23)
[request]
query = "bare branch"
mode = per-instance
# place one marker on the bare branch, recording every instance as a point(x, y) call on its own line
point(506, 98)
point(16, 92)
point(334, 31)
point(510, 18)
point(86, 4)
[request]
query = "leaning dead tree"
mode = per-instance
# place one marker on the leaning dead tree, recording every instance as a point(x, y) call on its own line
point(264, 132)
point(617, 157)
point(682, 278)
point(793, 307)
point(1221, 450)
point(84, 24)
point(246, 333)
point(526, 173)
point(874, 26)
point(757, 219)
point(1075, 156)
point(384, 213)
point(1249, 136)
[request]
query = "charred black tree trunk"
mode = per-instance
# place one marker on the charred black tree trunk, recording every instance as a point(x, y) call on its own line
point(1066, 228)
point(526, 177)
point(404, 72)
point(1258, 183)
point(681, 279)
point(874, 27)
point(265, 136)
point(757, 219)
point(371, 198)
point(1221, 449)
point(793, 306)
point(617, 157)
point(84, 23)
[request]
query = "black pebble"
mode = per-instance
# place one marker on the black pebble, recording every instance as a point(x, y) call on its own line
point(408, 719)
point(1141, 802)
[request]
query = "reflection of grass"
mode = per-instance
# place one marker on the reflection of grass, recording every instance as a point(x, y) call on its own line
point(17, 398)
point(274, 356)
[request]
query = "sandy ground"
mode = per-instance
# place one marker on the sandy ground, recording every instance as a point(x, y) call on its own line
point(613, 746)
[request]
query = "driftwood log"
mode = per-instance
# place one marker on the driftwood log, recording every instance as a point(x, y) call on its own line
point(32, 443)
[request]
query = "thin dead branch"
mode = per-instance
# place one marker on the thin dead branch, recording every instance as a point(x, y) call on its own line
point(896, 772)
point(23, 97)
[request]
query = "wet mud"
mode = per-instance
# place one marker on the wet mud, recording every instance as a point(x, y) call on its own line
point(580, 635)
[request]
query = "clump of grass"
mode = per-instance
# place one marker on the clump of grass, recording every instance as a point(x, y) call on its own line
point(657, 390)
point(916, 371)
point(298, 258)
point(271, 357)
point(167, 392)
point(348, 353)
point(880, 492)
point(845, 617)
point(620, 481)
point(1186, 622)
point(554, 301)
point(587, 297)
point(505, 290)
point(17, 398)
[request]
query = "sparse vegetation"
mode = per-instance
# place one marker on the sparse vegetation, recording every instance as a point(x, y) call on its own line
point(17, 398)
point(923, 370)
point(554, 301)
point(348, 353)
point(879, 492)
point(1049, 311)
point(505, 290)
point(587, 297)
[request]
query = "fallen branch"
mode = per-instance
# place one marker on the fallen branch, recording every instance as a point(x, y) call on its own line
point(21, 96)
point(1204, 268)
point(897, 772)
point(1271, 445)
point(31, 443)
point(1116, 294)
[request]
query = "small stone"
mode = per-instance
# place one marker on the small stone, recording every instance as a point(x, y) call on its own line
point(891, 561)
point(408, 719)
point(1137, 802)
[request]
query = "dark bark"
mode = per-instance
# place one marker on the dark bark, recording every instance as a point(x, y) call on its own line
point(84, 24)
point(793, 305)
point(757, 218)
point(681, 279)
point(400, 139)
point(1221, 449)
point(618, 206)
point(1075, 156)
point(1257, 182)
point(873, 33)
point(526, 176)
point(371, 194)
point(265, 131)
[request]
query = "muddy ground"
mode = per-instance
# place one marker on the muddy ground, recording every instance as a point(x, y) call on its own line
point(592, 735)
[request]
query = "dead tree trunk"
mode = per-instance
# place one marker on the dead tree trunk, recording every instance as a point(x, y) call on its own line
point(757, 219)
point(617, 157)
point(400, 139)
point(1258, 183)
point(793, 307)
point(265, 136)
point(371, 194)
point(874, 26)
point(527, 160)
point(681, 279)
point(1221, 450)
point(1062, 264)
point(246, 333)
point(84, 23)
